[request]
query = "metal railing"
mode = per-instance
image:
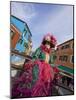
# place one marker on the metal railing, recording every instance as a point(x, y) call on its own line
point(18, 67)
point(21, 54)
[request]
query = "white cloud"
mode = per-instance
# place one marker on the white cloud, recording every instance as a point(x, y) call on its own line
point(61, 24)
point(23, 11)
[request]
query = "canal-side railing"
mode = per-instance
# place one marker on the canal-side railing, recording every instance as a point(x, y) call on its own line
point(19, 67)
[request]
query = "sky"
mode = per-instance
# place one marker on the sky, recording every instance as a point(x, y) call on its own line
point(55, 19)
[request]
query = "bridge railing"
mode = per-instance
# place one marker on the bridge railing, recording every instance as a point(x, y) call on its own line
point(29, 58)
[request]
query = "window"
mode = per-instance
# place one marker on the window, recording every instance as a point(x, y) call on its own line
point(54, 57)
point(63, 58)
point(25, 45)
point(20, 41)
point(12, 34)
point(25, 32)
point(62, 47)
point(60, 58)
point(65, 46)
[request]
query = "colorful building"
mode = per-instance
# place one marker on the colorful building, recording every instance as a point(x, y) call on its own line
point(25, 36)
point(21, 40)
point(64, 56)
point(15, 34)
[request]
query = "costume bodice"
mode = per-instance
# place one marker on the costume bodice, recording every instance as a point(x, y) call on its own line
point(41, 55)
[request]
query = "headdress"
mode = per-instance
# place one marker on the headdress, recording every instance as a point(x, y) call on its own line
point(49, 39)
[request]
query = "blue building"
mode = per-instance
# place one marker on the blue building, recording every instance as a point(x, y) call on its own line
point(26, 35)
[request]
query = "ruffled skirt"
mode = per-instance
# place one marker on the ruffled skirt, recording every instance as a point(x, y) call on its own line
point(34, 83)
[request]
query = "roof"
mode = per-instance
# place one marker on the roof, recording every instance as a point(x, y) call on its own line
point(20, 24)
point(66, 41)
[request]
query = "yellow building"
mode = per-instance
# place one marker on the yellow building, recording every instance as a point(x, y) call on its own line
point(64, 56)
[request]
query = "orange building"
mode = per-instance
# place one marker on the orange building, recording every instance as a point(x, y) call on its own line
point(15, 34)
point(64, 56)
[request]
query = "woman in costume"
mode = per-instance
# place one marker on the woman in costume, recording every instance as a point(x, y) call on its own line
point(36, 80)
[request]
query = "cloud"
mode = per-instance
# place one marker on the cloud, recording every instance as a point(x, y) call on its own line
point(24, 11)
point(60, 25)
point(58, 20)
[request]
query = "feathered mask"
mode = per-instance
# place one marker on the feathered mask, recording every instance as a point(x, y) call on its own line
point(50, 40)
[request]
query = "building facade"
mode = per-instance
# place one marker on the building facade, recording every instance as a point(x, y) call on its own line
point(23, 42)
point(64, 56)
point(15, 34)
